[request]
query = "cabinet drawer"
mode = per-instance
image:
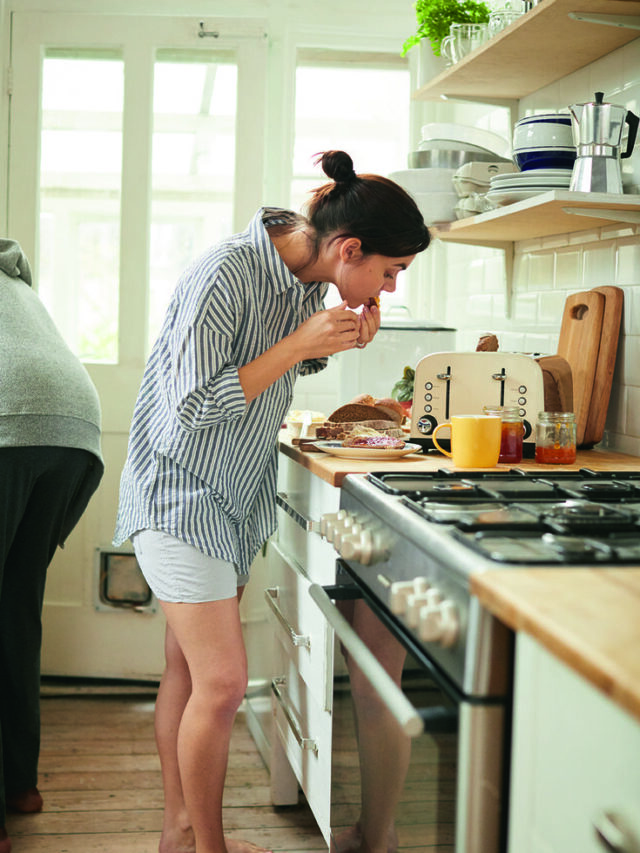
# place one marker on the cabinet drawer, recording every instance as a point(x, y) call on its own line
point(302, 499)
point(313, 554)
point(299, 625)
point(304, 730)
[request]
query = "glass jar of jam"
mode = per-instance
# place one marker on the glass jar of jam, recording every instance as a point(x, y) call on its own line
point(556, 438)
point(512, 432)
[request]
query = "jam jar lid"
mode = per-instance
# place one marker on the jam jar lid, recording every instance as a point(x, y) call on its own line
point(556, 417)
point(507, 413)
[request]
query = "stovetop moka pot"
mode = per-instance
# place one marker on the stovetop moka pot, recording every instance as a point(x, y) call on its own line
point(597, 132)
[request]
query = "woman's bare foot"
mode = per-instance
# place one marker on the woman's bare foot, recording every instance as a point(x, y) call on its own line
point(25, 802)
point(234, 846)
point(351, 841)
point(5, 841)
point(176, 841)
point(348, 841)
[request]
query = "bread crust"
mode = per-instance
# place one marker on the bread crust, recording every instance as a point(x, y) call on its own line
point(392, 407)
point(351, 412)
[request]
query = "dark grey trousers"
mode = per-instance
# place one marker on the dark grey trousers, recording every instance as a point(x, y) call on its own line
point(43, 492)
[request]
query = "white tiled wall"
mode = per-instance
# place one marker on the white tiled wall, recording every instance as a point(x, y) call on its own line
point(547, 270)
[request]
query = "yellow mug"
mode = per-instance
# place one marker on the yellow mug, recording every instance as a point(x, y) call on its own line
point(475, 440)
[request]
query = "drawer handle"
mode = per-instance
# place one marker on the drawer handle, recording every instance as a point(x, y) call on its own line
point(282, 500)
point(303, 742)
point(271, 595)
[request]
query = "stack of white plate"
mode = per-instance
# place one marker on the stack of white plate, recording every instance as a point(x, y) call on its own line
point(507, 189)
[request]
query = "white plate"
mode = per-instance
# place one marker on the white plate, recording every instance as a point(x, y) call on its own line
point(532, 185)
point(506, 196)
point(539, 175)
point(335, 448)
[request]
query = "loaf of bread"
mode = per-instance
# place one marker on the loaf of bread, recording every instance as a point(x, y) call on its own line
point(393, 409)
point(351, 412)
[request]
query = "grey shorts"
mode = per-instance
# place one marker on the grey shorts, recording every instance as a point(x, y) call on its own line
point(178, 572)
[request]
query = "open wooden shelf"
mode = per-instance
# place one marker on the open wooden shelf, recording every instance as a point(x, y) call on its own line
point(542, 216)
point(542, 46)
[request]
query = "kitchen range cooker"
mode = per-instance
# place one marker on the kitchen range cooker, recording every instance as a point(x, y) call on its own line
point(413, 540)
point(409, 543)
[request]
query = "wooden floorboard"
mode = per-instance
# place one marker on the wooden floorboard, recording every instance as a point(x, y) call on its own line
point(102, 788)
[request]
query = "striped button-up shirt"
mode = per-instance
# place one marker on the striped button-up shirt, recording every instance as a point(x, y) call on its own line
point(202, 463)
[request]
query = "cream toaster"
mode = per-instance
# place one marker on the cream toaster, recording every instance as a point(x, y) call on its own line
point(461, 383)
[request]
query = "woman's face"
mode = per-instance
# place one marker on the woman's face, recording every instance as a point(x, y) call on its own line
point(360, 277)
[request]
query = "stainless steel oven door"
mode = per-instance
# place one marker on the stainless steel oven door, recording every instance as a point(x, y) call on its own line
point(452, 793)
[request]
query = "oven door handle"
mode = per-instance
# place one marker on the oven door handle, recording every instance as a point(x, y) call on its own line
point(390, 694)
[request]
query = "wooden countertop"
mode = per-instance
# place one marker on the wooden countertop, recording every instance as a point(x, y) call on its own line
point(333, 469)
point(588, 618)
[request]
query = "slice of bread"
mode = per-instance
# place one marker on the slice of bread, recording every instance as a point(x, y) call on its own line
point(352, 412)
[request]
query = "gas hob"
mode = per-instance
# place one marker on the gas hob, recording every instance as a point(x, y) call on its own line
point(516, 518)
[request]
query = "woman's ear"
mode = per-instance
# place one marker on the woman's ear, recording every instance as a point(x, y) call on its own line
point(350, 249)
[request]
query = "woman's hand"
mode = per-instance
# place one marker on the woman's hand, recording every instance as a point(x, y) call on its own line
point(369, 323)
point(329, 331)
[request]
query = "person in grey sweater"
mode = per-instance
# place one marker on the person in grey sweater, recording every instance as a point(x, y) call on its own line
point(50, 465)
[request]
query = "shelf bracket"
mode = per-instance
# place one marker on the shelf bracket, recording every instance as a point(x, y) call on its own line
point(631, 216)
point(630, 22)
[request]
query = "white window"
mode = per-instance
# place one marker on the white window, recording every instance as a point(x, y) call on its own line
point(355, 102)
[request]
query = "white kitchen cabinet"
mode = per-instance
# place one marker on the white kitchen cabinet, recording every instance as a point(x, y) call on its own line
point(575, 761)
point(302, 643)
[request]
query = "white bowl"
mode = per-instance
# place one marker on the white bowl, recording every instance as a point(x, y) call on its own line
point(424, 180)
point(437, 207)
point(544, 131)
point(466, 134)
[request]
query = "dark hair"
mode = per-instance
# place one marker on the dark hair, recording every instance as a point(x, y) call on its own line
point(376, 210)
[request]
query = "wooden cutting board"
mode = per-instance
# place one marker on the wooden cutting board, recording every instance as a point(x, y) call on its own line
point(579, 344)
point(597, 414)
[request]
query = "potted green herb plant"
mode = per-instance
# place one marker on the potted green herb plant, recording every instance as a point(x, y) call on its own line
point(434, 18)
point(403, 389)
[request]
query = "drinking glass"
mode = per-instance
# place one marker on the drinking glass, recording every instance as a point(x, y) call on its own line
point(462, 39)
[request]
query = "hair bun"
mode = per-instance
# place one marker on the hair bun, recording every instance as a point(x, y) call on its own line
point(338, 166)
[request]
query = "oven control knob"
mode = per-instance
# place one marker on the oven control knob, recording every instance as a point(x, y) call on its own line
point(400, 592)
point(439, 623)
point(346, 531)
point(415, 603)
point(342, 521)
point(329, 520)
point(357, 546)
point(434, 596)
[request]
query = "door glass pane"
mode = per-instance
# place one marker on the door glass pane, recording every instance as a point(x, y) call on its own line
point(81, 154)
point(192, 166)
point(361, 110)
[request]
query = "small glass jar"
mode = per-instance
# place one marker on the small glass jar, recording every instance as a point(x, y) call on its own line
point(556, 438)
point(512, 432)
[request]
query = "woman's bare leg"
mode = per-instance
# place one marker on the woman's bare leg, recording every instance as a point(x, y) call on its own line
point(384, 750)
point(173, 695)
point(208, 638)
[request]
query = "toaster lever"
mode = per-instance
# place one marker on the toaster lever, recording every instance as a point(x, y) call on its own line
point(501, 377)
point(444, 376)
